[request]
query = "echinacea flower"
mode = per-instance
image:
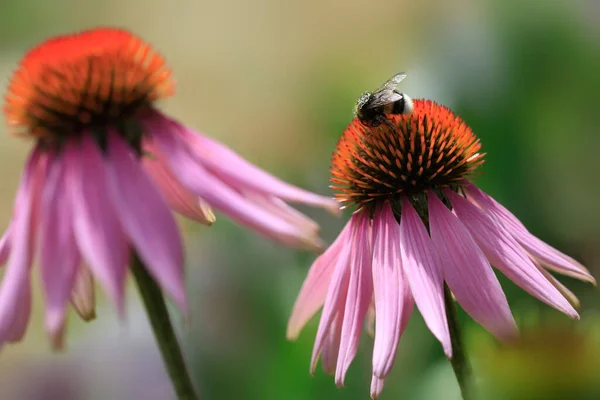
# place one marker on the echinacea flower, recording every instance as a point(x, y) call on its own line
point(419, 223)
point(104, 170)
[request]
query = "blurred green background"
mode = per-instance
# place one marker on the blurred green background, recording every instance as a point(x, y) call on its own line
point(277, 82)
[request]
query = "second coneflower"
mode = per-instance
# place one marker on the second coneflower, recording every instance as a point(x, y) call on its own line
point(419, 223)
point(105, 167)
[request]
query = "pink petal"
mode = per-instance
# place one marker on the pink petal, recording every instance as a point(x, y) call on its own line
point(370, 319)
point(541, 251)
point(468, 273)
point(19, 325)
point(282, 210)
point(333, 309)
point(388, 288)
point(376, 387)
point(360, 291)
point(503, 251)
point(201, 182)
point(146, 219)
point(331, 346)
point(98, 231)
point(422, 266)
point(59, 256)
point(228, 165)
point(314, 289)
point(15, 288)
point(83, 296)
point(570, 296)
point(179, 198)
point(5, 245)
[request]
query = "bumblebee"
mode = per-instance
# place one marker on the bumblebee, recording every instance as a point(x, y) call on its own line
point(372, 107)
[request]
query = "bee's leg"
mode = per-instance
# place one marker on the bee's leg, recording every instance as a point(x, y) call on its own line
point(387, 122)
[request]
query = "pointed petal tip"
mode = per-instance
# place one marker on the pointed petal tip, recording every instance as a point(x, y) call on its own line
point(312, 243)
point(91, 316)
point(85, 315)
point(210, 220)
point(507, 333)
point(376, 386)
point(333, 207)
point(180, 300)
point(208, 213)
point(448, 350)
point(292, 332)
point(570, 308)
point(57, 344)
point(55, 327)
point(313, 367)
point(574, 315)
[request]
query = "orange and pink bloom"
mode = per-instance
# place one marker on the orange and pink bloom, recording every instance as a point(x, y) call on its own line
point(105, 172)
point(419, 224)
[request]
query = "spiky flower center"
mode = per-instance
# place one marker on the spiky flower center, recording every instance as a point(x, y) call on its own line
point(95, 78)
point(429, 149)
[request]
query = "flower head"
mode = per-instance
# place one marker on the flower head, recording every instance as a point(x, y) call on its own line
point(419, 223)
point(104, 170)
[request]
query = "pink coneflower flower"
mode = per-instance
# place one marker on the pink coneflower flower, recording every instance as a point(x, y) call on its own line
point(397, 179)
point(105, 167)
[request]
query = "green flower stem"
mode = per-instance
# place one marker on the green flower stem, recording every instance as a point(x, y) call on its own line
point(459, 361)
point(163, 331)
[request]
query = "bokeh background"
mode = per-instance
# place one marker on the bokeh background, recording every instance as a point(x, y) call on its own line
point(277, 82)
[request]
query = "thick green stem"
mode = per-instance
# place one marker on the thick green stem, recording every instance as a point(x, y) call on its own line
point(163, 331)
point(459, 361)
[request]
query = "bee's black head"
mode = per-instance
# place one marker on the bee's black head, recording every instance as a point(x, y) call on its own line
point(362, 101)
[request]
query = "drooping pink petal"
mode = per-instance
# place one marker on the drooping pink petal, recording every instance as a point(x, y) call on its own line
point(179, 198)
point(314, 289)
point(281, 209)
point(548, 256)
point(19, 326)
point(388, 287)
point(468, 273)
point(83, 296)
point(201, 182)
point(570, 296)
point(376, 387)
point(333, 308)
point(422, 266)
point(408, 302)
point(228, 165)
point(503, 251)
point(146, 219)
point(59, 256)
point(360, 291)
point(15, 288)
point(5, 245)
point(98, 232)
point(331, 346)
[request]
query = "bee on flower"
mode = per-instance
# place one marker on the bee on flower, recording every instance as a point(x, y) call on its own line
point(419, 223)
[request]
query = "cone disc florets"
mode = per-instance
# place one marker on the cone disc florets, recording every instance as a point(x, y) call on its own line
point(429, 149)
point(95, 78)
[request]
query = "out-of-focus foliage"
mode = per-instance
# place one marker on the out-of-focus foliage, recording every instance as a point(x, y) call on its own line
point(277, 82)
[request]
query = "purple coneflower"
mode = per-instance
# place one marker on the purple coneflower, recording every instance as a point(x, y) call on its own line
point(397, 179)
point(105, 168)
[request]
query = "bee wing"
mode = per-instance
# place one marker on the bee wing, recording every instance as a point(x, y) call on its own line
point(393, 82)
point(382, 98)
